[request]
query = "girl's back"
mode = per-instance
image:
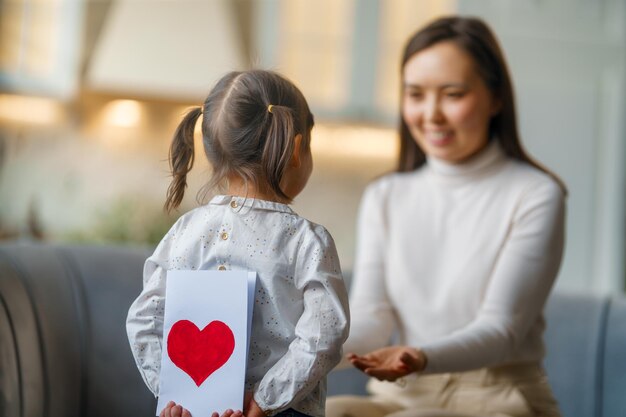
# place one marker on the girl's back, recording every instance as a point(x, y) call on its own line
point(256, 129)
point(289, 254)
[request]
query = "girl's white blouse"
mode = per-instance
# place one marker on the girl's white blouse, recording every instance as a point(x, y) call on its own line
point(300, 317)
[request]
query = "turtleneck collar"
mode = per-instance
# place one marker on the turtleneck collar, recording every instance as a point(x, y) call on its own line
point(488, 158)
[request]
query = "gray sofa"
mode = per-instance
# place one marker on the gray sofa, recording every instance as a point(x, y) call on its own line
point(64, 353)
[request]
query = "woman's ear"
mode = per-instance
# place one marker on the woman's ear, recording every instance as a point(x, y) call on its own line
point(295, 157)
point(496, 106)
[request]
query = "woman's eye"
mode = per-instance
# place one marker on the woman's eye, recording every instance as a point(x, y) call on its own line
point(455, 94)
point(415, 95)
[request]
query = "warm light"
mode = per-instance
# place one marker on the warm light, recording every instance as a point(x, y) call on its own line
point(354, 142)
point(33, 110)
point(179, 113)
point(123, 113)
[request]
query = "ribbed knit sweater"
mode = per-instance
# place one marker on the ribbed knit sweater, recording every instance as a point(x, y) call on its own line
point(459, 259)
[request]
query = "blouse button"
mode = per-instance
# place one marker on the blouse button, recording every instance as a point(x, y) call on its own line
point(221, 268)
point(224, 236)
point(234, 204)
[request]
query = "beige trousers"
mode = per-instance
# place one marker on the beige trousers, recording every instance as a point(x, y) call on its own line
point(506, 391)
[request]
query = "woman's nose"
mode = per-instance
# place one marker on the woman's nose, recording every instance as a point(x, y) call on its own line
point(432, 110)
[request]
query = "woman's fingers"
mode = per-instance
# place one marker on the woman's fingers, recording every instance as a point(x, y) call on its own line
point(361, 364)
point(366, 359)
point(384, 374)
point(388, 363)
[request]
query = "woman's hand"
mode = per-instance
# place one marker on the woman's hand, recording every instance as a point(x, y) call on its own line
point(173, 410)
point(390, 363)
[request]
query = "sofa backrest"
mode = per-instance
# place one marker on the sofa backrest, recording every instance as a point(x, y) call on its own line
point(64, 350)
point(63, 345)
point(614, 360)
point(586, 353)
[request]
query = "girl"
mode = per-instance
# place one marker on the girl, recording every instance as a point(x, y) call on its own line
point(256, 132)
point(463, 264)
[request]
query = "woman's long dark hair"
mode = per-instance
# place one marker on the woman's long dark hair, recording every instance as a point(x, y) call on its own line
point(474, 37)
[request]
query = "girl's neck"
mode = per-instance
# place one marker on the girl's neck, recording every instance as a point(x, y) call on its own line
point(237, 187)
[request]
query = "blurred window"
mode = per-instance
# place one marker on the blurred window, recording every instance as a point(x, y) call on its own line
point(343, 54)
point(39, 43)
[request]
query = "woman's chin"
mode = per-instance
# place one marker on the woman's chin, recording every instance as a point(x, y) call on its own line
point(443, 152)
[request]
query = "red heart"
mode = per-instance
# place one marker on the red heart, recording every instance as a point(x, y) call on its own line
point(197, 352)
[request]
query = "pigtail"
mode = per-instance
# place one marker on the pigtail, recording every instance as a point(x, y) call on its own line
point(279, 147)
point(181, 158)
point(250, 121)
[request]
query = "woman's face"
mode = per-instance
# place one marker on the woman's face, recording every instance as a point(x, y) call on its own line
point(446, 104)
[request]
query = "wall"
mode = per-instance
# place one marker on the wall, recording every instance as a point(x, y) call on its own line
point(568, 64)
point(75, 167)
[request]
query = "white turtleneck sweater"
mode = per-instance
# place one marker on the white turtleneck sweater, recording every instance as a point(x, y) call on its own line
point(459, 259)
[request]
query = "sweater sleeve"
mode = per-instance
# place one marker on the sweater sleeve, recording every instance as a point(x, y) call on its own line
point(320, 331)
point(373, 317)
point(518, 288)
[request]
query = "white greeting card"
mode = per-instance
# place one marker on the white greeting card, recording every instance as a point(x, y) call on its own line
point(206, 333)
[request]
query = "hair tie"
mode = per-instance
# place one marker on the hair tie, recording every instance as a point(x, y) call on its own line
point(269, 108)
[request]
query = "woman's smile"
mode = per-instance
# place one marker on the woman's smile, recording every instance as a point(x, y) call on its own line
point(439, 138)
point(446, 104)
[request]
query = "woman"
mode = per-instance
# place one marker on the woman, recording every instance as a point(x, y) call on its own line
point(459, 249)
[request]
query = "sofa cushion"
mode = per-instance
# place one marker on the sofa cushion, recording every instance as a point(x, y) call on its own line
point(64, 350)
point(574, 341)
point(65, 340)
point(614, 360)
